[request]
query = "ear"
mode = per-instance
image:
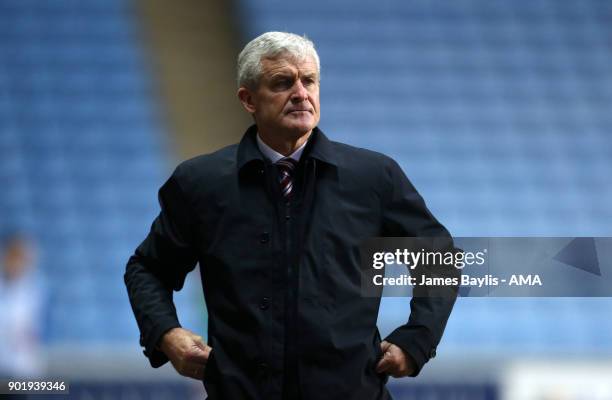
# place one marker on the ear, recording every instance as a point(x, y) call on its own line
point(246, 98)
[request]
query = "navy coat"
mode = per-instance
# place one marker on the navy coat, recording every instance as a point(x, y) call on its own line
point(281, 281)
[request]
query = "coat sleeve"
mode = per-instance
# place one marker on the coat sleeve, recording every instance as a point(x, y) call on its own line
point(406, 215)
point(159, 266)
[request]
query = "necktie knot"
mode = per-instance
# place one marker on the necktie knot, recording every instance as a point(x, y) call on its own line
point(286, 166)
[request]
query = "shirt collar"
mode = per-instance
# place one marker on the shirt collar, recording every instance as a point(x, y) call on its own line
point(274, 156)
point(317, 146)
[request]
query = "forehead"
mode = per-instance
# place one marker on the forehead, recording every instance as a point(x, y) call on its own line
point(288, 65)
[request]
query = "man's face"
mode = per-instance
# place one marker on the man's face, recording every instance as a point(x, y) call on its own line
point(286, 101)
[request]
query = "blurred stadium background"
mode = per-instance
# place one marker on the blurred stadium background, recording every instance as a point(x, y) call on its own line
point(499, 111)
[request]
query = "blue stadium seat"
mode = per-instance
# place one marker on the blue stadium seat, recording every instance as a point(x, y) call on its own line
point(498, 111)
point(81, 154)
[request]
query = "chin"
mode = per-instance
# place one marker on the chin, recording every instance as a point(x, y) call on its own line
point(298, 129)
point(303, 126)
point(301, 130)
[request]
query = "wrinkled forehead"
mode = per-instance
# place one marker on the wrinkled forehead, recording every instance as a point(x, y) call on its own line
point(290, 63)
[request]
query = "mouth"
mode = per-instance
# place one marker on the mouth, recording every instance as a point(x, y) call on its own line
point(297, 111)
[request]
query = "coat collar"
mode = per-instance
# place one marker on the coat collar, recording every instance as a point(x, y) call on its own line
point(318, 147)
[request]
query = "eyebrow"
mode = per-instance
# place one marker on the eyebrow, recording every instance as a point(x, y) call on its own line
point(281, 75)
point(290, 75)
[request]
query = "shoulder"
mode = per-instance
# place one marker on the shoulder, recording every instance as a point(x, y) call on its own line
point(204, 170)
point(362, 160)
point(366, 170)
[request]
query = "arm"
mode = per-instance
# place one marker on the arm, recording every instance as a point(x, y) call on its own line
point(159, 266)
point(406, 215)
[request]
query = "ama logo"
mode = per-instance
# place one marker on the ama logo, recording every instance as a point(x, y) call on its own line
point(520, 280)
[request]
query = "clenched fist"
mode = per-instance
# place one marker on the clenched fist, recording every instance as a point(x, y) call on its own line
point(187, 352)
point(395, 361)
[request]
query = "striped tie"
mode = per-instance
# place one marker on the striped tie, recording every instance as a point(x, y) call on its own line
point(286, 166)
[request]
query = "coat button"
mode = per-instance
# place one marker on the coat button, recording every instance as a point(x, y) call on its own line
point(263, 368)
point(432, 353)
point(265, 303)
point(264, 237)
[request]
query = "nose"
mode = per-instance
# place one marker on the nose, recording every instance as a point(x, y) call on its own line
point(300, 93)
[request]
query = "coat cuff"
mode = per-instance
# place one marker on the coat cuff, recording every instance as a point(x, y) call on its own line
point(416, 342)
point(156, 357)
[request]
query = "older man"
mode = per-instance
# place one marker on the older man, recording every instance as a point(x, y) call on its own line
point(275, 223)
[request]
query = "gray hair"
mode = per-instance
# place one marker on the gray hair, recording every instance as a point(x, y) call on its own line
point(272, 45)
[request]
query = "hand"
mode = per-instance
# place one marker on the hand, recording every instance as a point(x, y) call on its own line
point(395, 361)
point(187, 352)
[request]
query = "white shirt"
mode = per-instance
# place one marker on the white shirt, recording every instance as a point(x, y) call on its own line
point(274, 156)
point(20, 303)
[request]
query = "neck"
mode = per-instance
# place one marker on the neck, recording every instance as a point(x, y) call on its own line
point(284, 145)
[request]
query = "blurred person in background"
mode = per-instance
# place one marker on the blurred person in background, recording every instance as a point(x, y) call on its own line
point(275, 223)
point(20, 302)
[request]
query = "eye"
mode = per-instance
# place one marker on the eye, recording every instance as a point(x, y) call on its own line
point(309, 81)
point(282, 83)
